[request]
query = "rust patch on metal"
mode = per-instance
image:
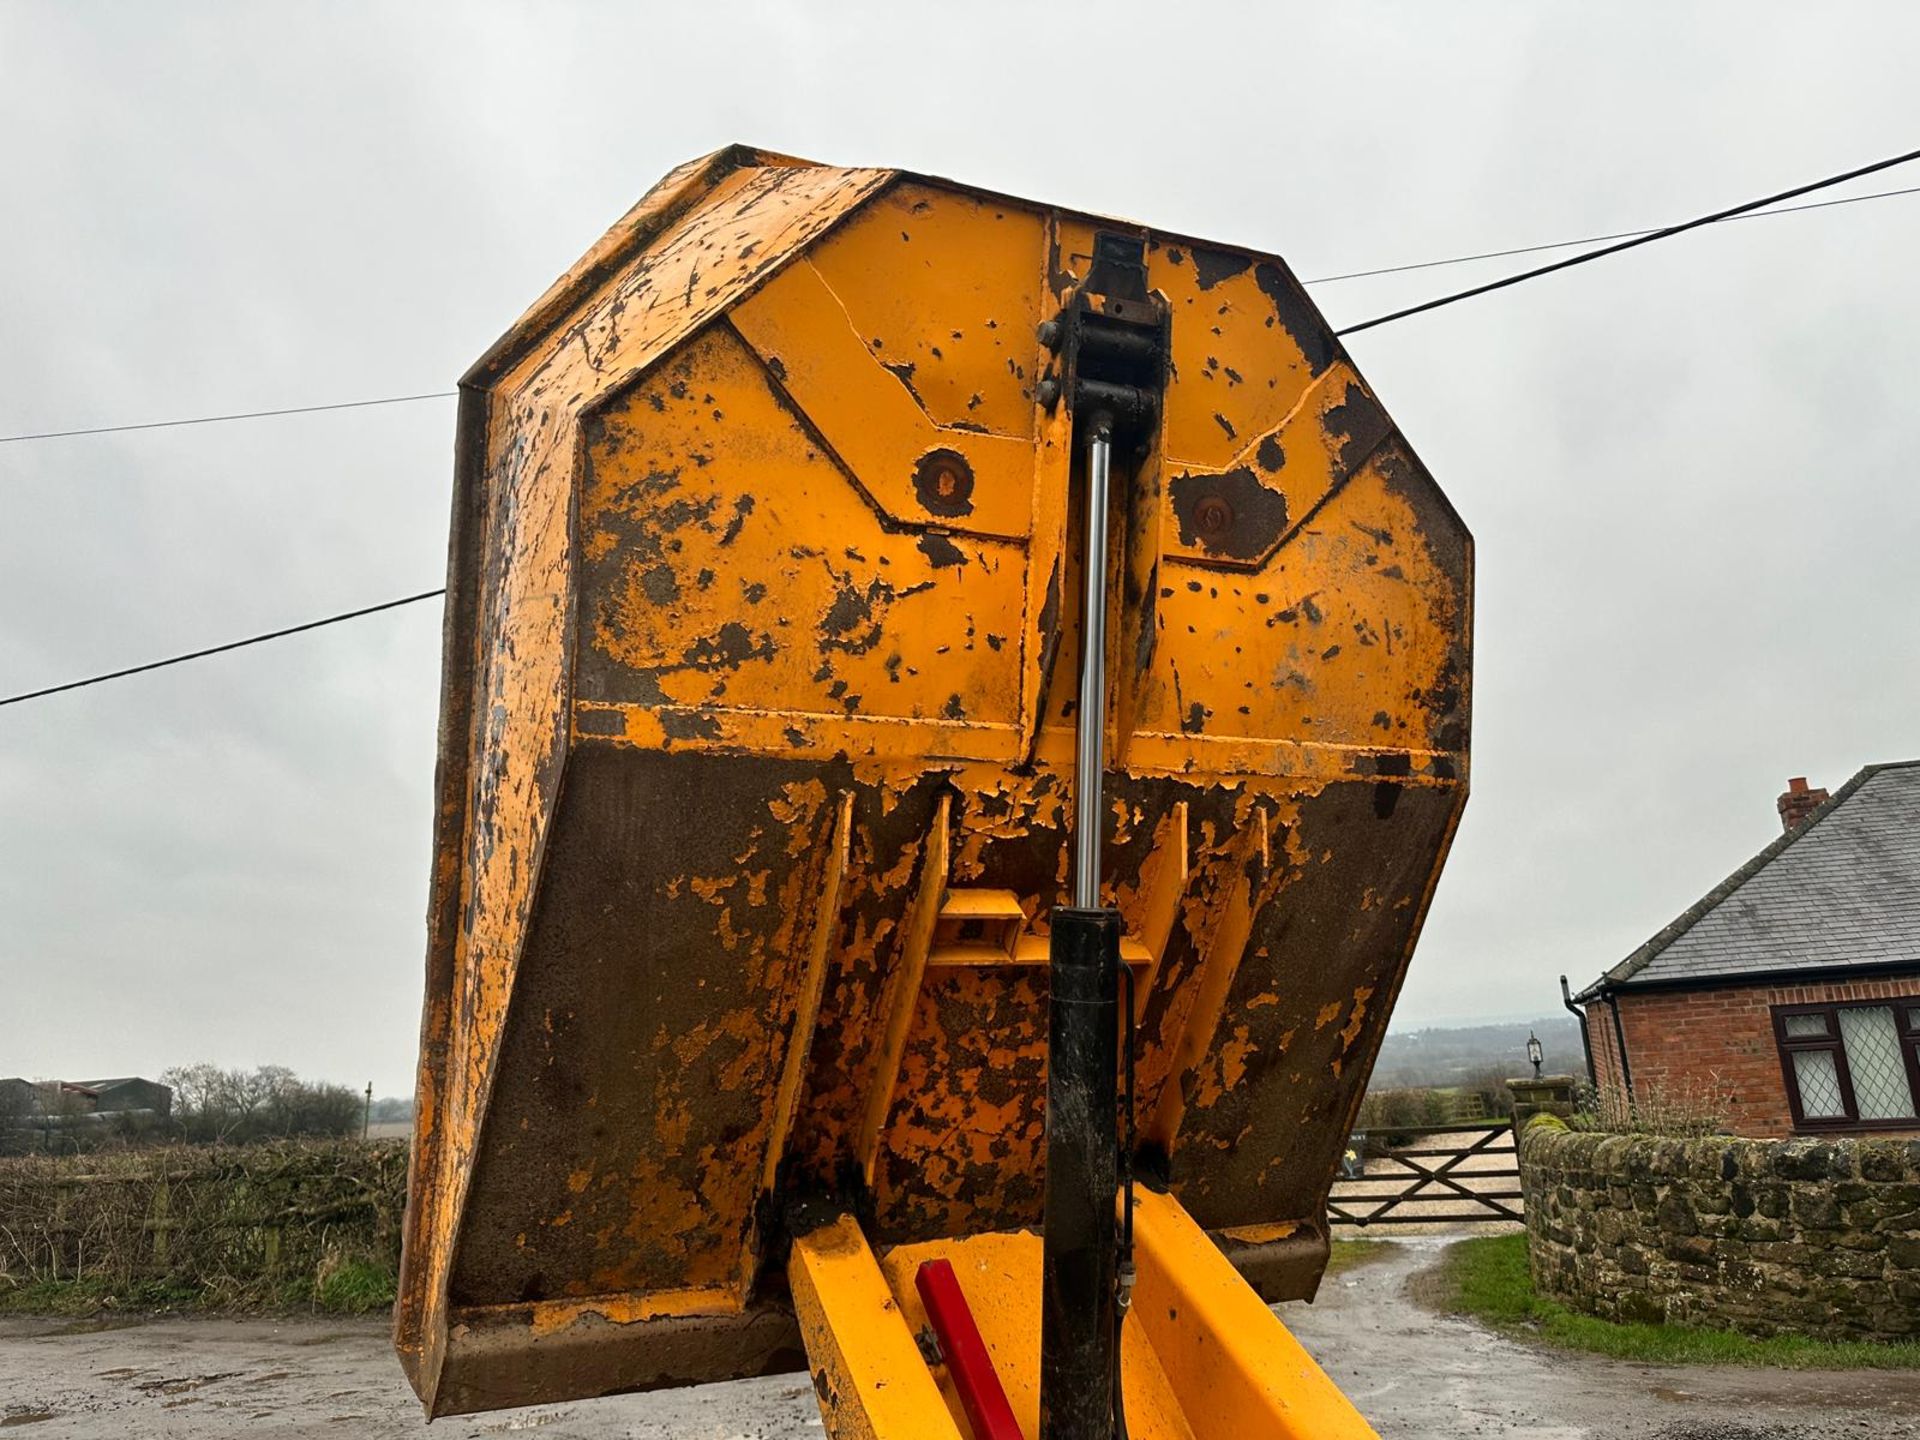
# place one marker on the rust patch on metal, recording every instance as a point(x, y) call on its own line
point(944, 482)
point(1231, 514)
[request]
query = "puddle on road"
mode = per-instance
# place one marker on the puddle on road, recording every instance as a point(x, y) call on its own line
point(181, 1384)
point(533, 1420)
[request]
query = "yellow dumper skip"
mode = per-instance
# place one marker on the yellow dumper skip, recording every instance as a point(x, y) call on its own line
point(755, 775)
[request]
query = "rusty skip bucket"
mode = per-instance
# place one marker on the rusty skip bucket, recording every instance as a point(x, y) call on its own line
point(755, 764)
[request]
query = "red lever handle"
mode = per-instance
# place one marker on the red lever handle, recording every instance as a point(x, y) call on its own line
point(968, 1363)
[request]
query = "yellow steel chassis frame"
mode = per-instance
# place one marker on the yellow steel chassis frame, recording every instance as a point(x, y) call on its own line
point(1202, 1356)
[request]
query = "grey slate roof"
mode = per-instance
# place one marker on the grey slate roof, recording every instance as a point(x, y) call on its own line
point(1840, 892)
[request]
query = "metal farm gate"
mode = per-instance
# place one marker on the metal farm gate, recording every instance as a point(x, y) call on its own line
point(1429, 1175)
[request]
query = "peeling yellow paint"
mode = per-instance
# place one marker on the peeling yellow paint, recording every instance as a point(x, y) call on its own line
point(1358, 1018)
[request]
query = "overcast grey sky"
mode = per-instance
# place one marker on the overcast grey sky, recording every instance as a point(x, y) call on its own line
point(1690, 471)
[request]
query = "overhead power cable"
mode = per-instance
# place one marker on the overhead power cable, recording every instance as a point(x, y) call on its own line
point(1631, 240)
point(1755, 211)
point(1597, 239)
point(222, 649)
point(1733, 212)
point(222, 419)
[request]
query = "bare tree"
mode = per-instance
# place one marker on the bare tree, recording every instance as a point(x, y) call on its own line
point(269, 1101)
point(16, 1116)
point(209, 1104)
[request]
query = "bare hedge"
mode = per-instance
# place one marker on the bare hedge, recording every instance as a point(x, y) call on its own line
point(254, 1225)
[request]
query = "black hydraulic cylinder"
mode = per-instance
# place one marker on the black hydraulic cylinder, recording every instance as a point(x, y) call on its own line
point(1078, 1330)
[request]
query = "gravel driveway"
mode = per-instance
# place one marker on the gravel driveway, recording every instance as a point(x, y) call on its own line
point(1415, 1375)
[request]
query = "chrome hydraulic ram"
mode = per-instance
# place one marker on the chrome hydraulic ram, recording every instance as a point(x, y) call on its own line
point(1078, 1327)
point(1089, 765)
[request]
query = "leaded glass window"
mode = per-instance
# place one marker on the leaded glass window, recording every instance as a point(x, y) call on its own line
point(1819, 1078)
point(1881, 1089)
point(1853, 1066)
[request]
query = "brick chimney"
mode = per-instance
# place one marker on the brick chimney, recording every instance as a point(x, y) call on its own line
point(1798, 803)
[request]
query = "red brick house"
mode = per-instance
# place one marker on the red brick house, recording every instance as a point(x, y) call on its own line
point(1792, 988)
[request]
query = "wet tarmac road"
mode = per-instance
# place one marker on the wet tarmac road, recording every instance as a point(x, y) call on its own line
point(1417, 1376)
point(1421, 1376)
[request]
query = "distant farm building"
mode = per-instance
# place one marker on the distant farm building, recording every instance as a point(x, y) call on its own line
point(41, 1102)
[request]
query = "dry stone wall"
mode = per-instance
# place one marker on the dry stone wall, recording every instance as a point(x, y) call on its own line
point(1812, 1237)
